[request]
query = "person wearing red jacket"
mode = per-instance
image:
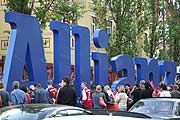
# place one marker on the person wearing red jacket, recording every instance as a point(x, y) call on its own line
point(86, 98)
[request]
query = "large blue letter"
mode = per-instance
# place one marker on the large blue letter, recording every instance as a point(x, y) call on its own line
point(147, 69)
point(25, 46)
point(62, 51)
point(168, 71)
point(125, 63)
point(82, 56)
point(100, 59)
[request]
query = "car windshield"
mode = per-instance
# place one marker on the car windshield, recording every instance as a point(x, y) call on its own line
point(154, 108)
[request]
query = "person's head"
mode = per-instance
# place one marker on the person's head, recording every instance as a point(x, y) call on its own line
point(15, 84)
point(121, 88)
point(50, 82)
point(175, 87)
point(31, 88)
point(98, 88)
point(142, 83)
point(106, 88)
point(1, 85)
point(147, 85)
point(127, 86)
point(65, 81)
point(137, 85)
point(83, 85)
point(24, 88)
point(37, 86)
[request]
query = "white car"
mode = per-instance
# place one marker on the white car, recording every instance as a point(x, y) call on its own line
point(94, 117)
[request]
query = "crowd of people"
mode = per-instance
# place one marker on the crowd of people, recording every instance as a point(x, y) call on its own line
point(98, 98)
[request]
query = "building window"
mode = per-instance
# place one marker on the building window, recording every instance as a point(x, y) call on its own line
point(3, 2)
point(93, 25)
point(109, 28)
point(46, 42)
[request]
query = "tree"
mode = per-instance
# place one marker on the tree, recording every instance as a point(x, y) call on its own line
point(101, 12)
point(59, 10)
point(174, 33)
point(123, 40)
point(151, 38)
point(21, 6)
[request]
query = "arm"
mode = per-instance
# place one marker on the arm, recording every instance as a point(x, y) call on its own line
point(59, 97)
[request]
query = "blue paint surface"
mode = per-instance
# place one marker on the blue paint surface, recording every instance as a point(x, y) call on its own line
point(25, 47)
point(62, 51)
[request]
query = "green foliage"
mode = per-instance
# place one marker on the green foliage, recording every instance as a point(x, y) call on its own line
point(59, 10)
point(20, 6)
point(123, 40)
point(174, 33)
point(101, 11)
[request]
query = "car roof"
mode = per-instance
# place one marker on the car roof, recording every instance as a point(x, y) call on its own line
point(94, 117)
point(39, 107)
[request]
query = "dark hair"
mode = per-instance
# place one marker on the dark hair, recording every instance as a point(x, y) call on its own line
point(84, 83)
point(38, 85)
point(147, 85)
point(1, 85)
point(137, 85)
point(66, 80)
point(163, 87)
point(24, 88)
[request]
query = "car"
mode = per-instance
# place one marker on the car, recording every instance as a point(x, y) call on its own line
point(158, 108)
point(39, 111)
point(95, 117)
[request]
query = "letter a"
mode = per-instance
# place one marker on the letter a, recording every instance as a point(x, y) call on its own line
point(25, 47)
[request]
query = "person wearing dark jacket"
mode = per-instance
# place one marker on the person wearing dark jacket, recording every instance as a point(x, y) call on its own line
point(67, 94)
point(41, 95)
point(147, 92)
point(5, 97)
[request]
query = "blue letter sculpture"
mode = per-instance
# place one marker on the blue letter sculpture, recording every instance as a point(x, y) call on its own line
point(100, 59)
point(62, 53)
point(147, 69)
point(168, 71)
point(124, 63)
point(25, 46)
point(82, 56)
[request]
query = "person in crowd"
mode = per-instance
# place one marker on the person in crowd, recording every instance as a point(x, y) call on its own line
point(175, 93)
point(51, 90)
point(17, 96)
point(164, 91)
point(121, 98)
point(106, 94)
point(41, 95)
point(142, 84)
point(136, 93)
point(5, 98)
point(72, 80)
point(32, 94)
point(96, 98)
point(67, 94)
point(86, 97)
point(147, 92)
point(110, 93)
point(128, 89)
point(24, 88)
